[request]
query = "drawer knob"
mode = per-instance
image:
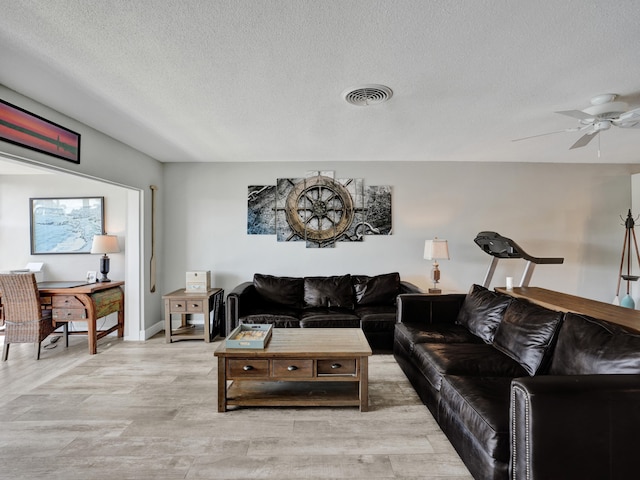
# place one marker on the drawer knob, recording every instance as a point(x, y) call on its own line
point(336, 365)
point(195, 305)
point(178, 305)
point(292, 368)
point(246, 368)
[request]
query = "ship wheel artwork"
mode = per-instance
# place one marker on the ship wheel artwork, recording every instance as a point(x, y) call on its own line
point(319, 209)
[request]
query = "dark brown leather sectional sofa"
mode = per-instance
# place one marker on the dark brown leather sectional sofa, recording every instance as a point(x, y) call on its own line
point(344, 301)
point(521, 391)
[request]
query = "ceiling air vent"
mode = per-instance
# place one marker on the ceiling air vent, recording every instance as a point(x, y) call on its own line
point(368, 95)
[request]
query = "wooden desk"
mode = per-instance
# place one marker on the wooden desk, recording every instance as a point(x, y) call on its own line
point(626, 317)
point(87, 303)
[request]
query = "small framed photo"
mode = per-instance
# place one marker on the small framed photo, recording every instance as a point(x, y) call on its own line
point(92, 276)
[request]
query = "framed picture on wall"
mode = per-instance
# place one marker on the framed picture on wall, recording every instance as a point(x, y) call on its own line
point(29, 130)
point(65, 225)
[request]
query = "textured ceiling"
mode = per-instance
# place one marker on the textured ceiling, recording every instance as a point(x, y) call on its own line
point(262, 80)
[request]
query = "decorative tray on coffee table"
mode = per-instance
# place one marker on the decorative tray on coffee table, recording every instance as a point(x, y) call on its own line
point(249, 336)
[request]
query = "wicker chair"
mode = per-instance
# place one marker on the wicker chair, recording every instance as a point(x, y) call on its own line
point(25, 321)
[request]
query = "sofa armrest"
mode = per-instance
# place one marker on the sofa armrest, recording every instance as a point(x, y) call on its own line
point(236, 300)
point(424, 308)
point(408, 287)
point(574, 427)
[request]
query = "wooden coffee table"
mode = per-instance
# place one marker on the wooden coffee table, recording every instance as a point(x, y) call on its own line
point(298, 367)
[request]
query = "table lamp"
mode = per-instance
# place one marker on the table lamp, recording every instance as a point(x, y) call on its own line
point(104, 244)
point(435, 250)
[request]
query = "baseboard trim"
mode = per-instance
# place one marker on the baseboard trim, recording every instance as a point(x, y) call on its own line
point(153, 330)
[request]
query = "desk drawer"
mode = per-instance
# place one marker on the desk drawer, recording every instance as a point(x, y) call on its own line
point(66, 301)
point(293, 368)
point(247, 368)
point(195, 306)
point(340, 366)
point(69, 314)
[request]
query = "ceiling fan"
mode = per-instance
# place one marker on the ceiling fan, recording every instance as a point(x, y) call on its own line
point(603, 113)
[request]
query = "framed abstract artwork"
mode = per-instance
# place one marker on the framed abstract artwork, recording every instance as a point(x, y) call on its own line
point(65, 225)
point(28, 130)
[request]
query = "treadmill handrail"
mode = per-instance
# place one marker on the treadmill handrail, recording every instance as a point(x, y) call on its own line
point(507, 248)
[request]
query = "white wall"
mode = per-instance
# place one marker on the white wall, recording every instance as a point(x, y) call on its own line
point(15, 191)
point(569, 211)
point(103, 158)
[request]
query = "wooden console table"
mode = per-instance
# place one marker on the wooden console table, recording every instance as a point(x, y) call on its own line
point(86, 303)
point(626, 317)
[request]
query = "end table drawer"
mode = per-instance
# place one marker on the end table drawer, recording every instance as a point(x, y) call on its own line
point(247, 368)
point(340, 366)
point(195, 306)
point(177, 306)
point(298, 368)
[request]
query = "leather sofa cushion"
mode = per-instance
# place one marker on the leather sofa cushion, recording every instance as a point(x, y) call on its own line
point(410, 334)
point(280, 290)
point(589, 346)
point(377, 310)
point(330, 320)
point(482, 312)
point(378, 322)
point(481, 405)
point(378, 290)
point(527, 334)
point(473, 359)
point(334, 291)
point(277, 320)
point(377, 318)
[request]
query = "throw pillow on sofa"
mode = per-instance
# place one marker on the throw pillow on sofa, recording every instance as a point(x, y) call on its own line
point(482, 312)
point(280, 290)
point(328, 292)
point(587, 346)
point(527, 333)
point(378, 290)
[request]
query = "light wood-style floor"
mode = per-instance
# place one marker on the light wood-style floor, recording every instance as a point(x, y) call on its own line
point(148, 411)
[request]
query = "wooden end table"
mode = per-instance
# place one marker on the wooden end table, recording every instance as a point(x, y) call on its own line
point(298, 367)
point(187, 303)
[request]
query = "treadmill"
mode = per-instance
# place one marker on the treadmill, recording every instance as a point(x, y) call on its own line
point(500, 247)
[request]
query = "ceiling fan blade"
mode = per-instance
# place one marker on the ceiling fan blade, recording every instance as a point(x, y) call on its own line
point(630, 119)
point(545, 134)
point(584, 140)
point(580, 115)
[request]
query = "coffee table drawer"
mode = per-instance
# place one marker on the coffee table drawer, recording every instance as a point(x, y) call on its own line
point(294, 368)
point(247, 368)
point(340, 366)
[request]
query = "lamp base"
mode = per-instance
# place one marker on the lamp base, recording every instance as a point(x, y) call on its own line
point(435, 290)
point(104, 268)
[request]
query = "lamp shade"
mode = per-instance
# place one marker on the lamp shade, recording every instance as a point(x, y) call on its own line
point(105, 244)
point(436, 249)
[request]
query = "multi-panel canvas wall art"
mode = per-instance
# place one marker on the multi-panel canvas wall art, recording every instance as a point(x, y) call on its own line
point(319, 210)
